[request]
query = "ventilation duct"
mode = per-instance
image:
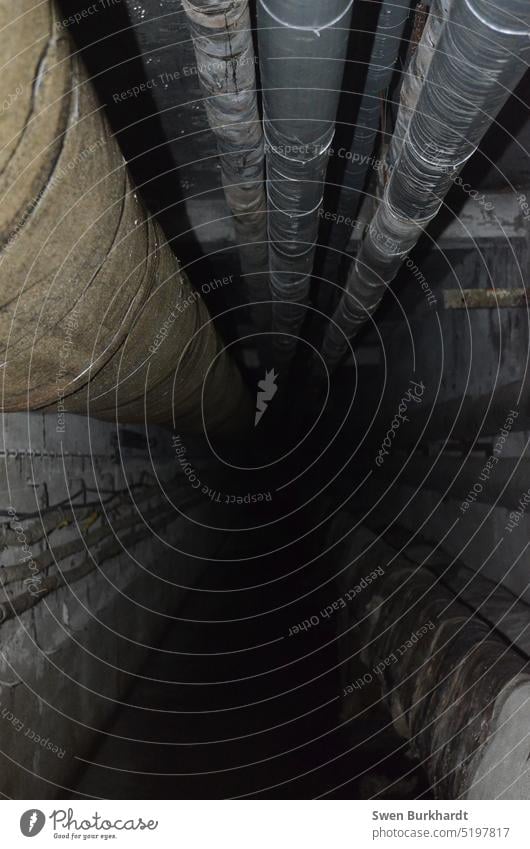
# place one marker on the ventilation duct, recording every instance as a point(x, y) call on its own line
point(477, 63)
point(393, 16)
point(456, 689)
point(96, 316)
point(302, 53)
point(415, 76)
point(222, 39)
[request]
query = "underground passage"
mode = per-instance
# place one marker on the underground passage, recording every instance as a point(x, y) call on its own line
point(265, 513)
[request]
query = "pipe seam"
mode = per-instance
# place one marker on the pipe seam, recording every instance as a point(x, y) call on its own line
point(315, 29)
point(491, 25)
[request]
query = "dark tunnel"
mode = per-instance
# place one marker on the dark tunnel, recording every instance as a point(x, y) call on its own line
point(265, 401)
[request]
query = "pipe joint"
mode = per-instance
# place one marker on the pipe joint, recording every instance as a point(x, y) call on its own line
point(512, 18)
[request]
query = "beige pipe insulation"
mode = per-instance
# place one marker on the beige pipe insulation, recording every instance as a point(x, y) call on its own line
point(96, 316)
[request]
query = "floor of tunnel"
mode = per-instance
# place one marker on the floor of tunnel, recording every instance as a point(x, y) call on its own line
point(232, 705)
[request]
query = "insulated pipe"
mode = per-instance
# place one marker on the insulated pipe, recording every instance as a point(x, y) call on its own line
point(222, 39)
point(453, 686)
point(96, 316)
point(302, 52)
point(361, 159)
point(393, 16)
point(437, 640)
point(477, 63)
point(415, 76)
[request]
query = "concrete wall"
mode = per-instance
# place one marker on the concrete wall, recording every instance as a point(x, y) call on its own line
point(85, 592)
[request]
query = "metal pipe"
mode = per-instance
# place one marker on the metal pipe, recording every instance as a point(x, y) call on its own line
point(448, 650)
point(96, 316)
point(360, 161)
point(446, 676)
point(393, 16)
point(415, 76)
point(302, 52)
point(476, 65)
point(222, 39)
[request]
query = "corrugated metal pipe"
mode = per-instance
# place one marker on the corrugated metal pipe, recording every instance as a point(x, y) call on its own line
point(393, 16)
point(222, 38)
point(96, 316)
point(477, 63)
point(302, 49)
